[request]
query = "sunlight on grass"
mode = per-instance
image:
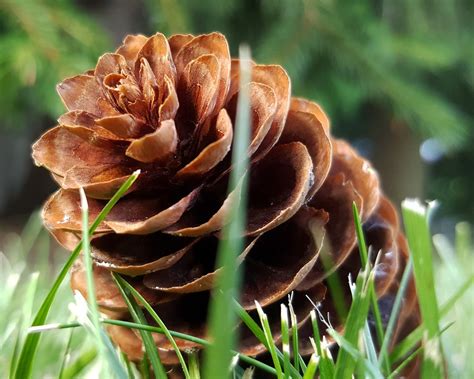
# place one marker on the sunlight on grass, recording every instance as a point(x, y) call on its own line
point(77, 361)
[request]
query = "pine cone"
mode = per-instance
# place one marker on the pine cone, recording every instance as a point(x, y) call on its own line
point(167, 107)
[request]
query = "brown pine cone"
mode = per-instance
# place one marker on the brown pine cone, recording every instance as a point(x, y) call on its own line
point(167, 107)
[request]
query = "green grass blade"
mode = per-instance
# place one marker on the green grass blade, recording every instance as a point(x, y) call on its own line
point(258, 332)
point(193, 363)
point(326, 364)
point(67, 352)
point(249, 322)
point(94, 309)
point(139, 317)
point(27, 355)
point(310, 371)
point(161, 324)
point(154, 329)
point(294, 337)
point(369, 345)
point(127, 364)
point(222, 318)
point(106, 350)
point(270, 341)
point(75, 369)
point(29, 298)
point(415, 217)
point(345, 363)
point(83, 314)
point(285, 341)
point(407, 360)
point(364, 256)
point(395, 310)
point(396, 373)
point(299, 364)
point(363, 365)
point(335, 285)
point(410, 341)
point(145, 368)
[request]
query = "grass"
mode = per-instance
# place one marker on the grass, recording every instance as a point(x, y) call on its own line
point(23, 289)
point(77, 337)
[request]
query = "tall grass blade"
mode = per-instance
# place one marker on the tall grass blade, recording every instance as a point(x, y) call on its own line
point(139, 317)
point(407, 360)
point(410, 341)
point(326, 364)
point(128, 365)
point(364, 256)
point(363, 365)
point(161, 324)
point(415, 217)
point(94, 309)
point(270, 341)
point(27, 355)
point(294, 336)
point(222, 318)
point(75, 369)
point(67, 352)
point(193, 363)
point(28, 299)
point(335, 286)
point(310, 372)
point(259, 333)
point(345, 363)
point(285, 341)
point(395, 310)
point(80, 309)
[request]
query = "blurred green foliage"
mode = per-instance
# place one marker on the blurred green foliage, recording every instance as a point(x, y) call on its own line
point(411, 56)
point(42, 42)
point(372, 64)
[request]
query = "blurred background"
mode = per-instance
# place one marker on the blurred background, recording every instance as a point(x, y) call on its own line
point(396, 78)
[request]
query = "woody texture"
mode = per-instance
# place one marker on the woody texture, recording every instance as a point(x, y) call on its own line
point(167, 106)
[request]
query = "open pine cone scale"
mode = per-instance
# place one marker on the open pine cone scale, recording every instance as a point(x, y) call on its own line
point(168, 108)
